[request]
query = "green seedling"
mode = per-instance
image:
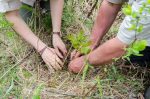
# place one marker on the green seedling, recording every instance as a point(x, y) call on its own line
point(137, 45)
point(80, 42)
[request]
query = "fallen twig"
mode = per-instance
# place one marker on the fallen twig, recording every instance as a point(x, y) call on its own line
point(2, 42)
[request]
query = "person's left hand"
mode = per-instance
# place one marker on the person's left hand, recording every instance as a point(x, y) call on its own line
point(59, 46)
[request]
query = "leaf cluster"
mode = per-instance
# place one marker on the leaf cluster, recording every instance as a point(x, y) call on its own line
point(136, 17)
point(80, 42)
point(136, 48)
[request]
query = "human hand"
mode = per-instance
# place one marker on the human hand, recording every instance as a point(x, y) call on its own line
point(77, 65)
point(59, 46)
point(51, 59)
point(75, 54)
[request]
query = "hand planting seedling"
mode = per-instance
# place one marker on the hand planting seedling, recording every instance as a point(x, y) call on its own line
point(81, 43)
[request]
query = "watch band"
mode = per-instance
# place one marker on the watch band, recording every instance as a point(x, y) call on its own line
point(58, 33)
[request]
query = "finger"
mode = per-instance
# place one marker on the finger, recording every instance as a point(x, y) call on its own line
point(73, 54)
point(63, 50)
point(56, 65)
point(58, 53)
point(59, 61)
point(49, 66)
point(51, 69)
point(53, 62)
point(70, 66)
point(78, 54)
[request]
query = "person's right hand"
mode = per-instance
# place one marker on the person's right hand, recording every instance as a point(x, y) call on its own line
point(75, 54)
point(51, 59)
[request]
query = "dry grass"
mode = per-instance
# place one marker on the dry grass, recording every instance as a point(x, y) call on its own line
point(20, 64)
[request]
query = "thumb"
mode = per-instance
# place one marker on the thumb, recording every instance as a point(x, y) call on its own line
point(73, 54)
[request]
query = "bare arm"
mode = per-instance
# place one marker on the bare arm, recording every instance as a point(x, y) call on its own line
point(56, 13)
point(23, 30)
point(104, 54)
point(113, 48)
point(105, 18)
point(49, 56)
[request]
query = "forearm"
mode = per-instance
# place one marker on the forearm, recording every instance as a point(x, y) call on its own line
point(105, 53)
point(56, 14)
point(105, 18)
point(23, 30)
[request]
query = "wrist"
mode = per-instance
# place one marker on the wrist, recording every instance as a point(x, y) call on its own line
point(95, 42)
point(57, 33)
point(40, 46)
point(42, 50)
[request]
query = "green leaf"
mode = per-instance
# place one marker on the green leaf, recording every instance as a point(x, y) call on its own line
point(134, 14)
point(140, 29)
point(148, 1)
point(127, 10)
point(135, 49)
point(133, 27)
point(80, 42)
point(140, 45)
point(141, 10)
point(85, 50)
point(10, 34)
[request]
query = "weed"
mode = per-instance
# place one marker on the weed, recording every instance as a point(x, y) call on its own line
point(99, 86)
point(37, 92)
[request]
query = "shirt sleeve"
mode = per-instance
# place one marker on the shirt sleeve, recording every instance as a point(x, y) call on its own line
point(128, 36)
point(9, 5)
point(29, 2)
point(117, 1)
point(124, 34)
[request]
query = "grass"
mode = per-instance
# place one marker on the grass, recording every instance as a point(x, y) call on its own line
point(23, 74)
